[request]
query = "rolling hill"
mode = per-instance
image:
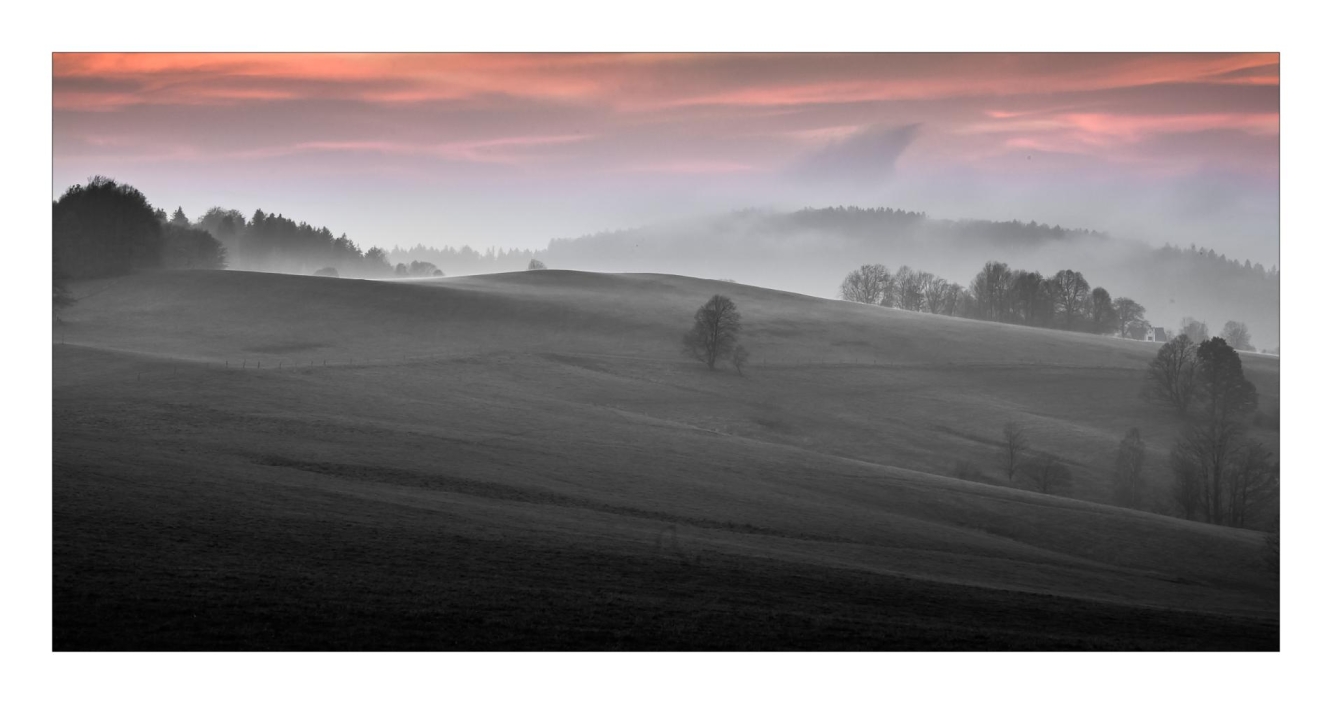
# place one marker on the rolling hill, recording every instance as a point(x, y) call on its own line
point(524, 461)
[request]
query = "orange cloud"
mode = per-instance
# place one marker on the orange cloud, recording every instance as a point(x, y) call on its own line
point(628, 82)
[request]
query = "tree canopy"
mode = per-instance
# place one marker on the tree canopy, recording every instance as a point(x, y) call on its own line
point(715, 333)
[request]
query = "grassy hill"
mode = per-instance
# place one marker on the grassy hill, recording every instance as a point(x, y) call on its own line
point(525, 461)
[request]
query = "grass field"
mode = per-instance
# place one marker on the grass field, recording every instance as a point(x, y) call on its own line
point(524, 461)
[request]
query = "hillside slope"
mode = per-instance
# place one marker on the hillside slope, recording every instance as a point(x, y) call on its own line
point(542, 427)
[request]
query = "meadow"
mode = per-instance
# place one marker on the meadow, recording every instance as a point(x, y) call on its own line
point(525, 461)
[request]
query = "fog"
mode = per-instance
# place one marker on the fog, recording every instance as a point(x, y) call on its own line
point(811, 251)
point(522, 151)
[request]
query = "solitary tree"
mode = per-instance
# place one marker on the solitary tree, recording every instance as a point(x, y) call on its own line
point(1237, 335)
point(1015, 445)
point(535, 264)
point(868, 284)
point(1048, 475)
point(1171, 377)
point(1129, 462)
point(716, 331)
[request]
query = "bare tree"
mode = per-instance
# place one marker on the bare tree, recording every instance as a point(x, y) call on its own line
point(868, 284)
point(952, 299)
point(1186, 489)
point(1071, 291)
point(1015, 445)
point(908, 288)
point(1228, 479)
point(739, 357)
point(1129, 462)
point(715, 333)
point(936, 291)
point(990, 289)
point(1172, 375)
point(1048, 475)
point(1252, 484)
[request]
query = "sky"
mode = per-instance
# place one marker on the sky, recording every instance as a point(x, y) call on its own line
point(510, 150)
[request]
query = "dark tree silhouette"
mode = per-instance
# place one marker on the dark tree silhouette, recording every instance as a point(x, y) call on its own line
point(535, 264)
point(871, 283)
point(1252, 484)
point(1071, 291)
point(1048, 475)
point(190, 248)
point(1226, 394)
point(990, 290)
point(104, 229)
point(1015, 445)
point(1129, 316)
point(908, 288)
point(1171, 376)
point(1101, 310)
point(1224, 476)
point(1026, 296)
point(1129, 462)
point(715, 333)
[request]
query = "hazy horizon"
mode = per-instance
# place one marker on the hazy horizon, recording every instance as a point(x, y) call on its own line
point(513, 150)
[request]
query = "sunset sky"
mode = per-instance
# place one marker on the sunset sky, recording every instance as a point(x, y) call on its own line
point(513, 149)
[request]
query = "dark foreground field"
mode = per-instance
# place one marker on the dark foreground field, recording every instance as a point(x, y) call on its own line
point(523, 462)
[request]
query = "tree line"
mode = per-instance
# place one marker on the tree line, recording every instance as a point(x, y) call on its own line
point(1001, 293)
point(465, 260)
point(104, 228)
